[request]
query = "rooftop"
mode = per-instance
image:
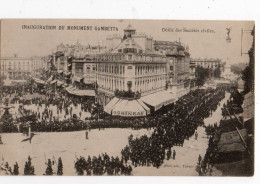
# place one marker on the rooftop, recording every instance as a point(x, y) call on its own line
point(129, 28)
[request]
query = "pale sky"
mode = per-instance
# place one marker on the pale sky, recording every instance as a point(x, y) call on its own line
point(29, 42)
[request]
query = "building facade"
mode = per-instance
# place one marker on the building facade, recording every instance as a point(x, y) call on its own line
point(78, 50)
point(84, 70)
point(129, 65)
point(20, 68)
point(207, 62)
point(178, 65)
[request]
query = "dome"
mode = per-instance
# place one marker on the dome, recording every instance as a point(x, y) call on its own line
point(129, 28)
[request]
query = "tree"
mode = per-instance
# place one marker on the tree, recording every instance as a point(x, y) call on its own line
point(217, 72)
point(60, 167)
point(201, 74)
point(238, 69)
point(49, 170)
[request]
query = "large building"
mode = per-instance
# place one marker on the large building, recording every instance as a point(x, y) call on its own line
point(129, 64)
point(84, 70)
point(207, 62)
point(76, 62)
point(78, 50)
point(129, 74)
point(20, 68)
point(178, 65)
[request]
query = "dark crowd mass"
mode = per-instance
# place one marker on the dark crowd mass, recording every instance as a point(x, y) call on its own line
point(171, 125)
point(101, 165)
point(179, 123)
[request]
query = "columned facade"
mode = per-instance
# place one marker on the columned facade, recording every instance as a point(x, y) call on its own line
point(130, 65)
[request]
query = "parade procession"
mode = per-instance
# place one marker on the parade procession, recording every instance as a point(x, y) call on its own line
point(126, 99)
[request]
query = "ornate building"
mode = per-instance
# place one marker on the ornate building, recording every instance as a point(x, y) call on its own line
point(84, 70)
point(20, 68)
point(130, 65)
point(207, 62)
point(178, 65)
point(76, 63)
point(78, 50)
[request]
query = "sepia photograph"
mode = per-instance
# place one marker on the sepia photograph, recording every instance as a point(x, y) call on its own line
point(127, 97)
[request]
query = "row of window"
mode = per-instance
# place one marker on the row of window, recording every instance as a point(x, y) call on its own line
point(112, 69)
point(19, 68)
point(136, 57)
point(141, 84)
point(149, 69)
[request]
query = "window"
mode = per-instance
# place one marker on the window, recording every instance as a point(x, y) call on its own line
point(119, 50)
point(171, 68)
point(79, 67)
point(129, 57)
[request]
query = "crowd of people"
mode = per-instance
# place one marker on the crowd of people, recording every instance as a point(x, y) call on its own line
point(29, 168)
point(179, 124)
point(227, 124)
point(47, 111)
point(234, 104)
point(171, 126)
point(101, 165)
point(44, 118)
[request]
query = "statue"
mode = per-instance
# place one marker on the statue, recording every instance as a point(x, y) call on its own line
point(228, 37)
point(6, 115)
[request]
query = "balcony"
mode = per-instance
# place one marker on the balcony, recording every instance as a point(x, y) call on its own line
point(129, 95)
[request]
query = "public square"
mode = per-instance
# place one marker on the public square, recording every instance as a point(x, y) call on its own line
point(71, 145)
point(127, 98)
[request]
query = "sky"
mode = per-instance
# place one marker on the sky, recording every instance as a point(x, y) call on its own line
point(38, 42)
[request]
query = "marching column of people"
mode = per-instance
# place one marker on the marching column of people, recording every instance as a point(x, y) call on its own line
point(179, 124)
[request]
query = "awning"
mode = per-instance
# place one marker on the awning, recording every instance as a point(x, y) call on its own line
point(68, 88)
point(60, 71)
point(88, 81)
point(66, 73)
point(18, 81)
point(50, 79)
point(222, 81)
point(34, 95)
point(8, 83)
point(126, 108)
point(144, 106)
point(231, 141)
point(157, 100)
point(39, 81)
point(78, 79)
point(54, 81)
point(110, 105)
point(248, 106)
point(59, 83)
point(77, 92)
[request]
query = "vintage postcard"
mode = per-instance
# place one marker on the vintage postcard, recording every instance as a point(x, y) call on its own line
point(127, 97)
